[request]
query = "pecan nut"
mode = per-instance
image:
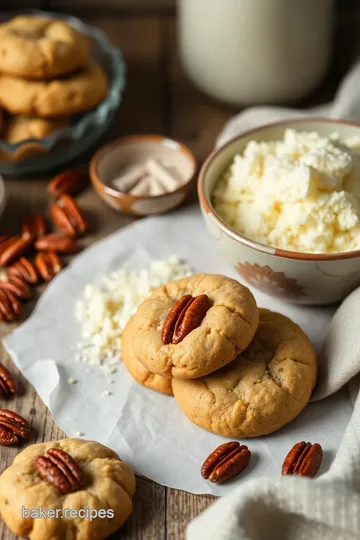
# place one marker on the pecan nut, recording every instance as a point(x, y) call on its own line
point(24, 269)
point(12, 248)
point(18, 286)
point(225, 462)
point(13, 428)
point(304, 459)
point(10, 306)
point(7, 383)
point(67, 216)
point(71, 181)
point(48, 264)
point(33, 226)
point(57, 243)
point(186, 315)
point(60, 470)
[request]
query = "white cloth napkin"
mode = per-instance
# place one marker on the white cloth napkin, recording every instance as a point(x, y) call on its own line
point(292, 507)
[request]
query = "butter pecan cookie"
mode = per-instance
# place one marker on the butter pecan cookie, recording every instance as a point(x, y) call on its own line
point(57, 97)
point(57, 477)
point(136, 369)
point(39, 48)
point(21, 127)
point(194, 326)
point(266, 387)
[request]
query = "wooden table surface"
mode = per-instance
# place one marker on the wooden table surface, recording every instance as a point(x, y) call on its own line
point(158, 99)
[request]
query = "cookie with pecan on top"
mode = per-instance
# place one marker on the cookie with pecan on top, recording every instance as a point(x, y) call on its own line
point(194, 326)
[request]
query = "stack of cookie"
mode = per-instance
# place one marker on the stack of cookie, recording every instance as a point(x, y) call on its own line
point(234, 369)
point(46, 75)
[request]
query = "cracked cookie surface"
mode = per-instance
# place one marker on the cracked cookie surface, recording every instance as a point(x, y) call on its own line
point(108, 484)
point(227, 328)
point(136, 369)
point(265, 388)
point(39, 47)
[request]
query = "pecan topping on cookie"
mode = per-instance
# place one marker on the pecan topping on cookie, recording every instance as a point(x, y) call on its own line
point(10, 306)
point(7, 383)
point(304, 459)
point(13, 428)
point(225, 462)
point(186, 315)
point(71, 181)
point(67, 216)
point(48, 264)
point(18, 286)
point(60, 470)
point(56, 242)
point(33, 226)
point(12, 248)
point(24, 269)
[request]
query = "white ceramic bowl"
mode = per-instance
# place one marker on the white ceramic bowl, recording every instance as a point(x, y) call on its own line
point(302, 278)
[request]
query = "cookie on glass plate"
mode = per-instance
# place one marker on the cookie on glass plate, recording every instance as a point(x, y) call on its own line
point(138, 372)
point(65, 475)
point(265, 388)
point(20, 127)
point(57, 97)
point(194, 326)
point(36, 47)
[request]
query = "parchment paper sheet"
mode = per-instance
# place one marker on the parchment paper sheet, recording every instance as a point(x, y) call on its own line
point(147, 429)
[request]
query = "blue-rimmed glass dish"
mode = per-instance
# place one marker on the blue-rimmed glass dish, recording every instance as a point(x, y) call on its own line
point(63, 145)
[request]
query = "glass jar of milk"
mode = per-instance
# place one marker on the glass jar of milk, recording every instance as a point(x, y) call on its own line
point(256, 51)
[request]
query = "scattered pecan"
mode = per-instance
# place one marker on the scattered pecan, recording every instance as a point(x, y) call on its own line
point(10, 306)
point(7, 383)
point(304, 459)
point(24, 269)
point(184, 317)
point(18, 286)
point(13, 428)
point(48, 264)
point(57, 243)
point(33, 226)
point(12, 248)
point(225, 462)
point(67, 216)
point(60, 470)
point(71, 181)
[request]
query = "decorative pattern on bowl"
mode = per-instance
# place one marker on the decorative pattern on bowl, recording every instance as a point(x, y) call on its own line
point(270, 282)
point(33, 155)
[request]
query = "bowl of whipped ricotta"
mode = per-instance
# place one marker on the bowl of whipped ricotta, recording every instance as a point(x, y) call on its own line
point(282, 203)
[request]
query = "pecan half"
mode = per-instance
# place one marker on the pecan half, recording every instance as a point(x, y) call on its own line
point(23, 268)
point(7, 383)
point(12, 248)
point(225, 462)
point(10, 306)
point(184, 317)
point(71, 181)
point(67, 216)
point(33, 226)
point(13, 428)
point(18, 286)
point(304, 459)
point(60, 470)
point(48, 264)
point(57, 243)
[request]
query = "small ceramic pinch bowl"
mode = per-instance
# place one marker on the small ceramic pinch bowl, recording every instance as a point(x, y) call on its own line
point(301, 278)
point(112, 163)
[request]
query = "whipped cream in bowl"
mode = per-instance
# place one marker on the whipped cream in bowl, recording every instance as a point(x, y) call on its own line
point(283, 204)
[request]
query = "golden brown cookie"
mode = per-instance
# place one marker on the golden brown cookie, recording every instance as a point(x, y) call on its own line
point(226, 329)
point(266, 387)
point(58, 97)
point(39, 48)
point(137, 370)
point(107, 484)
point(21, 127)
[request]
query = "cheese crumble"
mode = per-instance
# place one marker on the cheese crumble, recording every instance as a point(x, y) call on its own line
point(107, 306)
point(301, 193)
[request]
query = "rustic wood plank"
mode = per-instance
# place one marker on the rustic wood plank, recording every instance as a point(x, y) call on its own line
point(181, 507)
point(133, 5)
